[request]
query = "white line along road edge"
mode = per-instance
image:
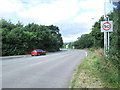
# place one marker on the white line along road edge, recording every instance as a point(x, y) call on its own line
point(86, 54)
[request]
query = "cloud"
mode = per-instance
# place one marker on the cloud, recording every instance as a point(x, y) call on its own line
point(72, 38)
point(10, 6)
point(73, 17)
point(71, 31)
point(94, 4)
point(88, 18)
point(52, 13)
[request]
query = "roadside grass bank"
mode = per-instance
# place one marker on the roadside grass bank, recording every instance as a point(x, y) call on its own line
point(96, 71)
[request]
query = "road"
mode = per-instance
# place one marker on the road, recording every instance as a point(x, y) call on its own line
point(49, 71)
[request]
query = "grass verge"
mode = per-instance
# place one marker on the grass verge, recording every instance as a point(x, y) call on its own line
point(96, 71)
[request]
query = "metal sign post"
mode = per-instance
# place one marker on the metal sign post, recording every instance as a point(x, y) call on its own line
point(106, 27)
point(105, 43)
point(108, 41)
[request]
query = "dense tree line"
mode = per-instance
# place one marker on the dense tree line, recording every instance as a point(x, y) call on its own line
point(115, 36)
point(19, 39)
point(96, 38)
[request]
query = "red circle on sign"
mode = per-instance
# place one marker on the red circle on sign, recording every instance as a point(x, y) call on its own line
point(106, 29)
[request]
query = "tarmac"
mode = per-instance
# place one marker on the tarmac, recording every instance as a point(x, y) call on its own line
point(10, 57)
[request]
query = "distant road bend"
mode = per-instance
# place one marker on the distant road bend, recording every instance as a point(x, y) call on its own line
point(50, 71)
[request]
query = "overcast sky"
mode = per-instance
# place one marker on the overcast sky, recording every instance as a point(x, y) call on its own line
point(73, 17)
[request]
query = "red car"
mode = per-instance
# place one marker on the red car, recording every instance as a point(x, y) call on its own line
point(38, 52)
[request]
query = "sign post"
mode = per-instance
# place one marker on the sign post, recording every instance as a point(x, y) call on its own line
point(106, 27)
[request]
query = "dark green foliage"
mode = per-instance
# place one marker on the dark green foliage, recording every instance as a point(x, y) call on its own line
point(115, 36)
point(85, 41)
point(18, 39)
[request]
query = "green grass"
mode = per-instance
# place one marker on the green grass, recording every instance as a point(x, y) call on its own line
point(96, 71)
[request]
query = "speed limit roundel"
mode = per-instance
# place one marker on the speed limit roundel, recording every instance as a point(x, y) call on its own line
point(106, 26)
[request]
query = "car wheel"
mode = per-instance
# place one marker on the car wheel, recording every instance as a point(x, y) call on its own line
point(39, 54)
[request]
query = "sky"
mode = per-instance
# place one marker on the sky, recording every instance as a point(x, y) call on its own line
point(73, 17)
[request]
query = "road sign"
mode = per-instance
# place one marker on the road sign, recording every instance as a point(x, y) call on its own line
point(106, 26)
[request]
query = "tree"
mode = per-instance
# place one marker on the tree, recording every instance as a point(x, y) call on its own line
point(115, 36)
point(19, 39)
point(85, 41)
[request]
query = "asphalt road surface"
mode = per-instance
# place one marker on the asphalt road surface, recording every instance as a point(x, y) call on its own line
point(54, 70)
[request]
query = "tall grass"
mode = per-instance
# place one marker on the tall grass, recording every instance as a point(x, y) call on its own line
point(96, 71)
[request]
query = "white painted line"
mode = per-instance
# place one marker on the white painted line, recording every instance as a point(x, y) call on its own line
point(86, 54)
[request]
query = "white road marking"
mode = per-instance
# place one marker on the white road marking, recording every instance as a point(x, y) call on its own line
point(86, 54)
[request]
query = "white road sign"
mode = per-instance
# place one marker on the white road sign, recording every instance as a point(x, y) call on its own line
point(106, 26)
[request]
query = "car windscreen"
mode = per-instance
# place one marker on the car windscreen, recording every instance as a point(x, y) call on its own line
point(40, 50)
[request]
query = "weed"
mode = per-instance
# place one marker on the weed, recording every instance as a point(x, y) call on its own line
point(96, 71)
